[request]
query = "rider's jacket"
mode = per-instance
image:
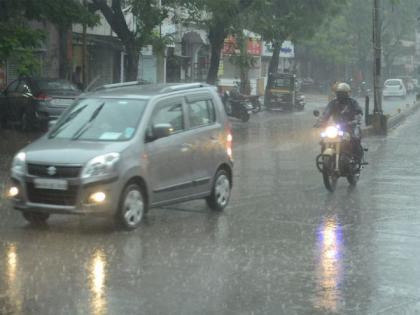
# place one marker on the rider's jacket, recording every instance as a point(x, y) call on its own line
point(342, 110)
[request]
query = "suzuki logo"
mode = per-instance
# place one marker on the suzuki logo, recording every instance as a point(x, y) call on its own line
point(51, 170)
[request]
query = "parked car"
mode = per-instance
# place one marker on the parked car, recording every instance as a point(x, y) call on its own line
point(394, 87)
point(121, 150)
point(32, 102)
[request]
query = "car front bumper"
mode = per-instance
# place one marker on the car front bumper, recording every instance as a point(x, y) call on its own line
point(76, 200)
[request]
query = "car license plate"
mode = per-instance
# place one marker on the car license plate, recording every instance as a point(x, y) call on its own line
point(61, 101)
point(46, 183)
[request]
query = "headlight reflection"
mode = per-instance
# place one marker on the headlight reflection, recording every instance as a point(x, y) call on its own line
point(97, 275)
point(13, 284)
point(329, 269)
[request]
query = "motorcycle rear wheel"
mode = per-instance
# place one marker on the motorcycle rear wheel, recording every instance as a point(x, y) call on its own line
point(330, 180)
point(228, 108)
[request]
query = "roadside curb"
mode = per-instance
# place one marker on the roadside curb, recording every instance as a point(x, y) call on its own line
point(395, 120)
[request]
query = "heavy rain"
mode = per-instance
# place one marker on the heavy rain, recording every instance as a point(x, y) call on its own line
point(209, 157)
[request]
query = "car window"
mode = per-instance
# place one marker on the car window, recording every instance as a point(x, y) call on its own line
point(282, 83)
point(12, 86)
point(393, 83)
point(170, 114)
point(97, 119)
point(201, 113)
point(54, 85)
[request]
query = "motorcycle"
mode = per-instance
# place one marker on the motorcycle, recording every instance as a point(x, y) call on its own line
point(337, 158)
point(240, 106)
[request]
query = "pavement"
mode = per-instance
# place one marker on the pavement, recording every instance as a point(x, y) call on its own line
point(284, 245)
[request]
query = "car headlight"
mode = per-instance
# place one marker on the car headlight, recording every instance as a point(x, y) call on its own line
point(19, 163)
point(101, 165)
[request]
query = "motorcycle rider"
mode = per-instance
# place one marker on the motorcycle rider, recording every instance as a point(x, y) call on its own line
point(347, 111)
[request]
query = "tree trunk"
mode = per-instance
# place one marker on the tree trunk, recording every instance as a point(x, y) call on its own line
point(217, 36)
point(132, 62)
point(115, 18)
point(64, 66)
point(272, 68)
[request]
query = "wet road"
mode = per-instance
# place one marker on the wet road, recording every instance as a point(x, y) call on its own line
point(283, 246)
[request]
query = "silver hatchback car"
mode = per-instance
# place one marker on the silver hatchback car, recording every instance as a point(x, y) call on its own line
point(124, 149)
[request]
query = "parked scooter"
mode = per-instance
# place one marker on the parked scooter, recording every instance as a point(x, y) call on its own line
point(239, 105)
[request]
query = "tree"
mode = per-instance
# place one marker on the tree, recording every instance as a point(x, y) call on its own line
point(279, 20)
point(218, 17)
point(17, 38)
point(148, 15)
point(398, 24)
point(347, 39)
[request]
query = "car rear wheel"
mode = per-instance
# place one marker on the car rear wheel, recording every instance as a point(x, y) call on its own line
point(36, 218)
point(220, 195)
point(132, 207)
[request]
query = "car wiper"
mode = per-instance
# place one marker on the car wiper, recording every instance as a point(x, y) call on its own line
point(69, 118)
point(87, 125)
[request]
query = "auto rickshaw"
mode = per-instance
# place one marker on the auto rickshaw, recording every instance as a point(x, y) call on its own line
point(284, 93)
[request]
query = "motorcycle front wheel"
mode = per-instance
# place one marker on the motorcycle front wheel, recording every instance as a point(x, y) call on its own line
point(353, 179)
point(330, 179)
point(244, 116)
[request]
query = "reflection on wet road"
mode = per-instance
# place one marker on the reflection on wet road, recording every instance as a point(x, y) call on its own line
point(329, 273)
point(283, 246)
point(97, 276)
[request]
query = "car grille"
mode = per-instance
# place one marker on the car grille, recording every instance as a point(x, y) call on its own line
point(60, 171)
point(51, 196)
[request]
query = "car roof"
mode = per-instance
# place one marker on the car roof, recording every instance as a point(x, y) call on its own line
point(130, 89)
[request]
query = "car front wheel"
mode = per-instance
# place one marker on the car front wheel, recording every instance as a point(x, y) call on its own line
point(221, 190)
point(132, 207)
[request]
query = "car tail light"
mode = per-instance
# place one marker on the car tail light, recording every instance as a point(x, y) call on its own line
point(42, 97)
point(229, 140)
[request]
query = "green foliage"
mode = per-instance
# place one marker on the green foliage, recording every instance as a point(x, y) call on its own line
point(277, 20)
point(18, 38)
point(347, 39)
point(148, 17)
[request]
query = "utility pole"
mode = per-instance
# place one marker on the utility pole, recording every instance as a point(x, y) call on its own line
point(84, 52)
point(379, 120)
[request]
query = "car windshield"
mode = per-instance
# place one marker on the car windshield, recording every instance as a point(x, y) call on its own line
point(282, 83)
point(97, 119)
point(393, 83)
point(54, 85)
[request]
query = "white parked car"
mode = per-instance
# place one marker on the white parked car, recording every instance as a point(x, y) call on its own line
point(394, 87)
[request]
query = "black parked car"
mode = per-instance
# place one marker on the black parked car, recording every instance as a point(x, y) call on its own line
point(31, 102)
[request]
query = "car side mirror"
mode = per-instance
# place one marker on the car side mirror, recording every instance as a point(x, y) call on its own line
point(316, 113)
point(160, 131)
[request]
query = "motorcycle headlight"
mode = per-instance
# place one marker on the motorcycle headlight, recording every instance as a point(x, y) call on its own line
point(19, 163)
point(101, 165)
point(331, 132)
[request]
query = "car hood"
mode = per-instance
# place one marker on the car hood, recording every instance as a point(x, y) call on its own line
point(66, 151)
